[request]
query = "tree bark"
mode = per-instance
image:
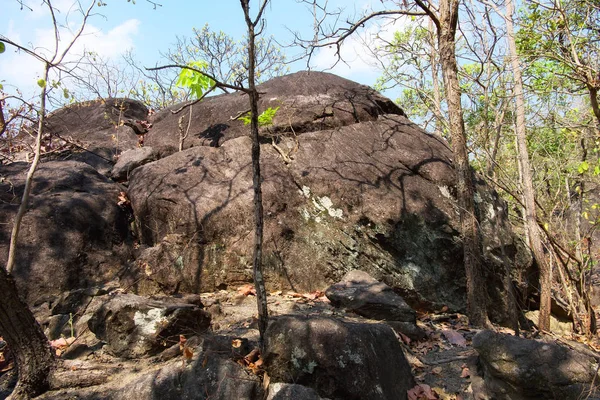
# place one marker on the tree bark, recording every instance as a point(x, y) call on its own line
point(476, 290)
point(259, 282)
point(528, 190)
point(25, 340)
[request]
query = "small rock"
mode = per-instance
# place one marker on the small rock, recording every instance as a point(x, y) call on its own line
point(364, 295)
point(291, 391)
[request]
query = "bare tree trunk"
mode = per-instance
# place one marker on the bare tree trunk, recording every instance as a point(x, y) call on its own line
point(476, 291)
point(528, 190)
point(25, 340)
point(259, 282)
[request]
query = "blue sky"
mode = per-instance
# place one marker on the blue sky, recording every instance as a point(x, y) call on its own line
point(122, 25)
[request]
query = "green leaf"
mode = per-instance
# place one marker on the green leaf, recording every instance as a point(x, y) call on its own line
point(197, 82)
point(266, 117)
point(41, 83)
point(2, 47)
point(1, 87)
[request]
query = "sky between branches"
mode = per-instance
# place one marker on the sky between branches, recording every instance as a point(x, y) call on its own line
point(121, 25)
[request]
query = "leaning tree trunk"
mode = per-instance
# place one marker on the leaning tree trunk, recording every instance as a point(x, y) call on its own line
point(26, 341)
point(527, 181)
point(476, 291)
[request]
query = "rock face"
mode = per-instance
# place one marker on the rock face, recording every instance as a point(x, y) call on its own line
point(308, 102)
point(130, 160)
point(134, 326)
point(72, 236)
point(339, 360)
point(358, 187)
point(522, 369)
point(97, 126)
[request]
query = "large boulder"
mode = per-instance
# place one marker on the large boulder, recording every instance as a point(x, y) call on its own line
point(523, 369)
point(73, 234)
point(372, 192)
point(338, 359)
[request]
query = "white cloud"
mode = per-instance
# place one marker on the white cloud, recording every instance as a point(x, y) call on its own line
point(22, 71)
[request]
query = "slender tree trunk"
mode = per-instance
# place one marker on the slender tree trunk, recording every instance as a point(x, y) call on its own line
point(476, 291)
point(528, 190)
point(593, 92)
point(259, 282)
point(12, 248)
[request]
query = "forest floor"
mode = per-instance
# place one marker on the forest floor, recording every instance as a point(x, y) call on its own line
point(444, 364)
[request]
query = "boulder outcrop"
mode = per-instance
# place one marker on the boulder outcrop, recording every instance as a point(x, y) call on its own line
point(365, 190)
point(73, 235)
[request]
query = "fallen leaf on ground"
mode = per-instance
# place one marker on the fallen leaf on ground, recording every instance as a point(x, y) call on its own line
point(455, 338)
point(237, 343)
point(247, 290)
point(465, 373)
point(252, 356)
point(188, 353)
point(421, 392)
point(437, 370)
point(182, 341)
point(60, 345)
point(405, 339)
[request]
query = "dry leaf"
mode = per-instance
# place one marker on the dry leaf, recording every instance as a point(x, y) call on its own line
point(182, 341)
point(252, 356)
point(444, 309)
point(204, 362)
point(455, 338)
point(236, 343)
point(465, 373)
point(422, 392)
point(266, 381)
point(404, 338)
point(437, 370)
point(247, 290)
point(188, 353)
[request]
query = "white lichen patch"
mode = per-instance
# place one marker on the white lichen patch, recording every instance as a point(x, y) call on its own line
point(297, 355)
point(321, 205)
point(149, 321)
point(354, 357)
point(325, 204)
point(305, 214)
point(491, 212)
point(477, 198)
point(305, 191)
point(444, 191)
point(310, 367)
